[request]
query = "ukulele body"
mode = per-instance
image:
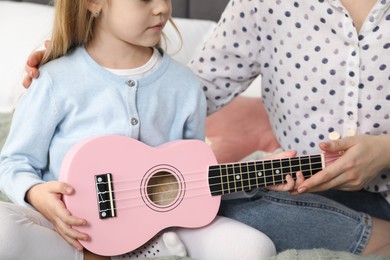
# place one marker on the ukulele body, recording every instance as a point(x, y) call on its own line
point(128, 191)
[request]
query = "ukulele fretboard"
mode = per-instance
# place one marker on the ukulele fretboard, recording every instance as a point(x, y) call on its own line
point(245, 176)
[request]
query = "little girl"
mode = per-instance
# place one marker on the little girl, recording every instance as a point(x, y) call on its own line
point(103, 74)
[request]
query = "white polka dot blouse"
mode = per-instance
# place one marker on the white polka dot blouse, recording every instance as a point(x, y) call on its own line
point(319, 75)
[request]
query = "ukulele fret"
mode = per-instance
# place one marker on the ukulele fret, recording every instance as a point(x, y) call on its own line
point(306, 167)
point(286, 169)
point(277, 171)
point(244, 176)
point(252, 175)
point(260, 174)
point(316, 164)
point(268, 173)
point(215, 179)
point(105, 195)
point(295, 166)
point(237, 176)
point(229, 178)
point(233, 176)
point(224, 179)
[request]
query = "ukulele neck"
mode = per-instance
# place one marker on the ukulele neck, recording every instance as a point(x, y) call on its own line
point(245, 176)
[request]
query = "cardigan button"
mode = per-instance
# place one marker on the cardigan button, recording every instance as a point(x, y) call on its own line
point(134, 121)
point(130, 83)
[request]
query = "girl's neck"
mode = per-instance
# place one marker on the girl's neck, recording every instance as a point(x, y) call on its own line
point(128, 57)
point(142, 71)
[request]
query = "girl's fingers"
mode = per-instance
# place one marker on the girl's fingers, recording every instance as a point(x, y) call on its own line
point(74, 242)
point(60, 187)
point(287, 186)
point(69, 233)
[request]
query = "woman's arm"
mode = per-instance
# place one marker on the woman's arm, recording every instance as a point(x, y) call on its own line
point(240, 128)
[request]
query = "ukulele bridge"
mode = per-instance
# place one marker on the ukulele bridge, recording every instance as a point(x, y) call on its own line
point(105, 195)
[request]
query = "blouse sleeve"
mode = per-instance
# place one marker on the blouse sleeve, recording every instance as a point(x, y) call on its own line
point(228, 63)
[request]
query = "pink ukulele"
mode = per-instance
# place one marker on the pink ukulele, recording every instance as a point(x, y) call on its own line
point(128, 191)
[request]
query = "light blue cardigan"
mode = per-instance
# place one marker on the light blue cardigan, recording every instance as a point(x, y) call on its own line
point(75, 98)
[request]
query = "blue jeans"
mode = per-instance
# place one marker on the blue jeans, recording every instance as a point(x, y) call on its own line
point(369, 202)
point(306, 221)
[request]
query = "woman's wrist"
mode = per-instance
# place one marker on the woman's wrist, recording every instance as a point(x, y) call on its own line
point(384, 143)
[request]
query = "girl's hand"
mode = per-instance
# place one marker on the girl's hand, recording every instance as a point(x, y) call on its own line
point(46, 198)
point(290, 185)
point(362, 158)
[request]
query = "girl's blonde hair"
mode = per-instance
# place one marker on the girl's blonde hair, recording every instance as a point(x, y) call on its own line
point(73, 26)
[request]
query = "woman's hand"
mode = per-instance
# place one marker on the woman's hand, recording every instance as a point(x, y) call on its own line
point(46, 198)
point(32, 65)
point(363, 157)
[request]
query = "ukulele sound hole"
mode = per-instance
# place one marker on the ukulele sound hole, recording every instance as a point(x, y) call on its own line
point(162, 188)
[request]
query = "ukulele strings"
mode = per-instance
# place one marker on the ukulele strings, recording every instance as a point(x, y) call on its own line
point(201, 179)
point(162, 201)
point(328, 160)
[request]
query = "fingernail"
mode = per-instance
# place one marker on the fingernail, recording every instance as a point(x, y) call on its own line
point(301, 190)
point(324, 144)
point(68, 190)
